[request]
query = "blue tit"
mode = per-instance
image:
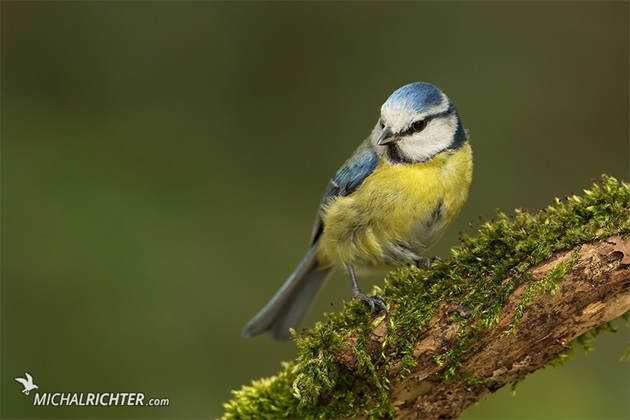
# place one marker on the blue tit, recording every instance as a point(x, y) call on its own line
point(390, 202)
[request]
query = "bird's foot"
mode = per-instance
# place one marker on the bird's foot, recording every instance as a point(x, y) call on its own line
point(426, 262)
point(375, 301)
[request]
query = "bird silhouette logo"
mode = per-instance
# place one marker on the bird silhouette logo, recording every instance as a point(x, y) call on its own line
point(28, 384)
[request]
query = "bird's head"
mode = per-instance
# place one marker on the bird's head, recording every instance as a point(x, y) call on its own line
point(417, 122)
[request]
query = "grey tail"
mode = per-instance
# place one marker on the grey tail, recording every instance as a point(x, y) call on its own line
point(291, 303)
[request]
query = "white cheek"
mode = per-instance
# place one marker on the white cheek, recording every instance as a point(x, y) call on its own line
point(437, 136)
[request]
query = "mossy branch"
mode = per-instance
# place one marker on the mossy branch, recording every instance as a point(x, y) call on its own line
point(514, 298)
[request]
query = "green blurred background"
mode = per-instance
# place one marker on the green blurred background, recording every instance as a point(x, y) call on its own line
point(162, 163)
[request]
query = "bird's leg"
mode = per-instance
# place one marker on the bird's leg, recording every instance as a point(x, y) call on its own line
point(373, 300)
point(423, 262)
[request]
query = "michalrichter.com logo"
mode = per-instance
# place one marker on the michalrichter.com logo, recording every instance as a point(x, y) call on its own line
point(104, 399)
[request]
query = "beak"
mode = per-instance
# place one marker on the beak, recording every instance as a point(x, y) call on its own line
point(386, 137)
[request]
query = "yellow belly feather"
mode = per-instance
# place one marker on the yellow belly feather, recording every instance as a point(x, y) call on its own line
point(395, 206)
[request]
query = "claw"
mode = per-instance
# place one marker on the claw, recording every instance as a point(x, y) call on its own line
point(423, 262)
point(373, 300)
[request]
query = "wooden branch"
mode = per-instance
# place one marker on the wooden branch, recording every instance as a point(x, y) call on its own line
point(510, 301)
point(594, 291)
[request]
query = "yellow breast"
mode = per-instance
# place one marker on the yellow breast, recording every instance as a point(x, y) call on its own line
point(398, 212)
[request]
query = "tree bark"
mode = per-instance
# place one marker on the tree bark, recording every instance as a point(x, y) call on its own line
point(464, 329)
point(594, 291)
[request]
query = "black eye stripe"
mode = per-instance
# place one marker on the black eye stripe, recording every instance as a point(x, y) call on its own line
point(417, 126)
point(422, 124)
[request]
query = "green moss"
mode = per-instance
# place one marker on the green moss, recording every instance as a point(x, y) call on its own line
point(266, 398)
point(475, 282)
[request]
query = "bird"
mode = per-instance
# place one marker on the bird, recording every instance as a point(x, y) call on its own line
point(28, 383)
point(384, 208)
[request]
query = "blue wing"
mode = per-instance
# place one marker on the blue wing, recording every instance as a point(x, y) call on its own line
point(346, 180)
point(290, 304)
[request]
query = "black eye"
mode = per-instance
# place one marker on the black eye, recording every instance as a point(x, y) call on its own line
point(381, 124)
point(418, 125)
